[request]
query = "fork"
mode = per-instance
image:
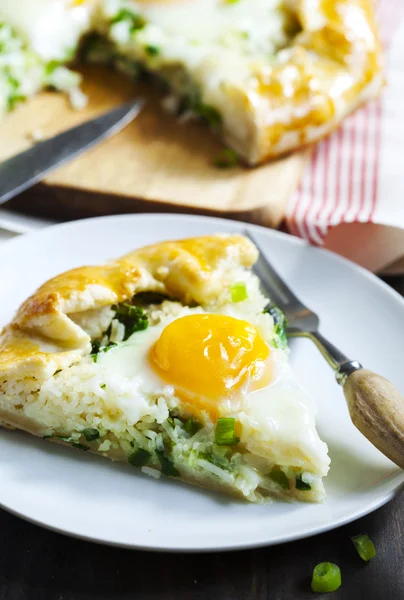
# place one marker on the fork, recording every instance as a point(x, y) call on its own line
point(375, 405)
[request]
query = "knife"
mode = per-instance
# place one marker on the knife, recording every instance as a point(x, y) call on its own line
point(23, 170)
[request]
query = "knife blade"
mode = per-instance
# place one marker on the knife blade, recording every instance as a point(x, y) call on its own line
point(24, 170)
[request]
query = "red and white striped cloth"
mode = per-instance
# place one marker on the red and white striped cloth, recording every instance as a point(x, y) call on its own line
point(342, 184)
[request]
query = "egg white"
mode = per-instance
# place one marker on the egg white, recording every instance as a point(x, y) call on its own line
point(275, 420)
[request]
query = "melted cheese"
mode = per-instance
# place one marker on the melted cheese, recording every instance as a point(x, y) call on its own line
point(251, 25)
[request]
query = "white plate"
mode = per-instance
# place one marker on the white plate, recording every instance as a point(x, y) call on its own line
point(90, 497)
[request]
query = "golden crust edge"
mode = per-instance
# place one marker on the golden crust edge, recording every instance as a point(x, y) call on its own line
point(185, 268)
point(267, 142)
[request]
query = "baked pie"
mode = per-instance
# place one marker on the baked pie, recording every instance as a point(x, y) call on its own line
point(172, 360)
point(269, 76)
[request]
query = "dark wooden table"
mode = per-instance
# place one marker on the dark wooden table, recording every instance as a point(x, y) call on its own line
point(36, 564)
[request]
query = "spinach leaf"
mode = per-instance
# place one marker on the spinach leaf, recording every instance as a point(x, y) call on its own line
point(96, 349)
point(139, 458)
point(208, 114)
point(167, 466)
point(79, 446)
point(191, 426)
point(133, 317)
point(147, 298)
point(302, 485)
point(91, 434)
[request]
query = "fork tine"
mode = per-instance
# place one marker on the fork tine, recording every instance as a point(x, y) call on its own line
point(271, 281)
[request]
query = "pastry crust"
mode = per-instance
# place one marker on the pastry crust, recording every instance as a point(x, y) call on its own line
point(45, 334)
point(333, 66)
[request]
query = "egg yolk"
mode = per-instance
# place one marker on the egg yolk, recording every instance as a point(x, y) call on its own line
point(210, 357)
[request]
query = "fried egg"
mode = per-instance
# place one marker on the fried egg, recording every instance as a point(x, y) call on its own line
point(218, 365)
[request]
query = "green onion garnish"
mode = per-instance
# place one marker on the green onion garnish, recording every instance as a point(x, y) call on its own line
point(91, 434)
point(302, 485)
point(279, 477)
point(364, 546)
point(191, 426)
point(238, 292)
point(326, 578)
point(139, 457)
point(167, 466)
point(224, 432)
point(226, 158)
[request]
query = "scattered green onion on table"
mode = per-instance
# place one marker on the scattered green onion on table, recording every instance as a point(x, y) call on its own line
point(364, 546)
point(326, 577)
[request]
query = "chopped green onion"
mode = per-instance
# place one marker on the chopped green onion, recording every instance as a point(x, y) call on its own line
point(103, 386)
point(279, 477)
point(224, 432)
point(364, 546)
point(302, 485)
point(238, 292)
point(152, 50)
point(167, 466)
point(326, 578)
point(170, 420)
point(91, 434)
point(231, 1)
point(226, 158)
point(191, 426)
point(79, 446)
point(139, 458)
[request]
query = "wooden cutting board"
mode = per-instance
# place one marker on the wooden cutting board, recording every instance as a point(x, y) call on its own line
point(155, 164)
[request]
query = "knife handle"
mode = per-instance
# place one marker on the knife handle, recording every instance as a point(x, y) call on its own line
point(377, 410)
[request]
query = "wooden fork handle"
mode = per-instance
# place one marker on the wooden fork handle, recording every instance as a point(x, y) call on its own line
point(377, 410)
